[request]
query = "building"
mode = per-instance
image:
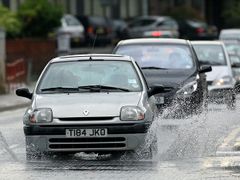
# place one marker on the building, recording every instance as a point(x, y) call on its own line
point(210, 10)
point(125, 9)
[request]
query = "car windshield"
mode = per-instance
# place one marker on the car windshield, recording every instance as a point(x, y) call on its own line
point(161, 56)
point(233, 47)
point(84, 75)
point(234, 58)
point(210, 54)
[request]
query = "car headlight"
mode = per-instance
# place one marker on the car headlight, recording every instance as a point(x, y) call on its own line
point(131, 113)
point(237, 78)
point(42, 115)
point(188, 88)
point(222, 81)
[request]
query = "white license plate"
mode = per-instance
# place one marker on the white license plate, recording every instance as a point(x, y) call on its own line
point(98, 132)
point(160, 100)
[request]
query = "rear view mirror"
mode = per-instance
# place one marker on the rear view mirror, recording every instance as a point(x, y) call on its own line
point(24, 92)
point(205, 68)
point(236, 65)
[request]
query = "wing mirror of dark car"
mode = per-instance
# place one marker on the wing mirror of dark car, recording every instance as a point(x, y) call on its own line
point(24, 92)
point(157, 89)
point(205, 68)
point(236, 65)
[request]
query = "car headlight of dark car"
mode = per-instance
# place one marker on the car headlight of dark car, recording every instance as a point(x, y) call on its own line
point(188, 89)
point(41, 115)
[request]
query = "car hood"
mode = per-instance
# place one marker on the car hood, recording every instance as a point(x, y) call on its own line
point(167, 78)
point(217, 73)
point(97, 104)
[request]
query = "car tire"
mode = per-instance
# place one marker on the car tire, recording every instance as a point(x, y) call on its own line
point(150, 151)
point(231, 103)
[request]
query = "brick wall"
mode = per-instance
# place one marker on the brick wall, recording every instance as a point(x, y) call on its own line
point(35, 52)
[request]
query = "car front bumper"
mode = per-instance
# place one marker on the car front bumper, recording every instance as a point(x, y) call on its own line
point(53, 139)
point(220, 94)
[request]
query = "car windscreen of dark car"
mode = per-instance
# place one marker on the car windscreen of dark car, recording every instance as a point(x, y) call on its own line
point(210, 54)
point(77, 74)
point(162, 56)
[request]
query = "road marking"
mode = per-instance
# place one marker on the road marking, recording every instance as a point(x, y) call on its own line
point(7, 148)
point(222, 162)
point(228, 153)
point(232, 136)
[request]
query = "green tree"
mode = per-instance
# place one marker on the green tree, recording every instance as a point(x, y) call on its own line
point(9, 22)
point(39, 17)
point(231, 14)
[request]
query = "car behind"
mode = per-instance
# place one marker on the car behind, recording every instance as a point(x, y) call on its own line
point(154, 27)
point(72, 27)
point(221, 83)
point(173, 64)
point(196, 30)
point(98, 30)
point(229, 34)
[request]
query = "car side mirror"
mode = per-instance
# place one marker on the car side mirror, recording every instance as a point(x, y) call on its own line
point(24, 92)
point(205, 68)
point(236, 65)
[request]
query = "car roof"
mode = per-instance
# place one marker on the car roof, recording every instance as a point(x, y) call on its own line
point(153, 41)
point(230, 30)
point(84, 57)
point(207, 42)
point(154, 17)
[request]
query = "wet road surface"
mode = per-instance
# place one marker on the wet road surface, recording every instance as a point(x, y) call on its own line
point(199, 147)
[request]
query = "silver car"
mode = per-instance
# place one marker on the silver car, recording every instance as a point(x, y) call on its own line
point(221, 82)
point(88, 103)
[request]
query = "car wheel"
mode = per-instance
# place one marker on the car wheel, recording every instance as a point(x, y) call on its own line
point(149, 152)
point(231, 103)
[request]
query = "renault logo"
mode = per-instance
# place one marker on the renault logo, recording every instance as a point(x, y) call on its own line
point(85, 112)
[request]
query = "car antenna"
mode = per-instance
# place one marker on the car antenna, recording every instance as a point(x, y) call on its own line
point(94, 41)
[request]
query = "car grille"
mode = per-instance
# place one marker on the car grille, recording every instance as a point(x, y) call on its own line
point(86, 118)
point(86, 143)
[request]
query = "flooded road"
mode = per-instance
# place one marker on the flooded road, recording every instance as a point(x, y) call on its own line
point(199, 147)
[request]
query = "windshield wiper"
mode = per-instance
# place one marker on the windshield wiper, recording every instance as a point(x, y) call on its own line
point(100, 87)
point(64, 89)
point(153, 67)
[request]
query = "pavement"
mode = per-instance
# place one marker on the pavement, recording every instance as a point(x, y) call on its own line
point(11, 101)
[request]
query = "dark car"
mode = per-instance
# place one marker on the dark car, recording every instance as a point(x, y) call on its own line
point(120, 28)
point(153, 26)
point(173, 64)
point(97, 29)
point(197, 30)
